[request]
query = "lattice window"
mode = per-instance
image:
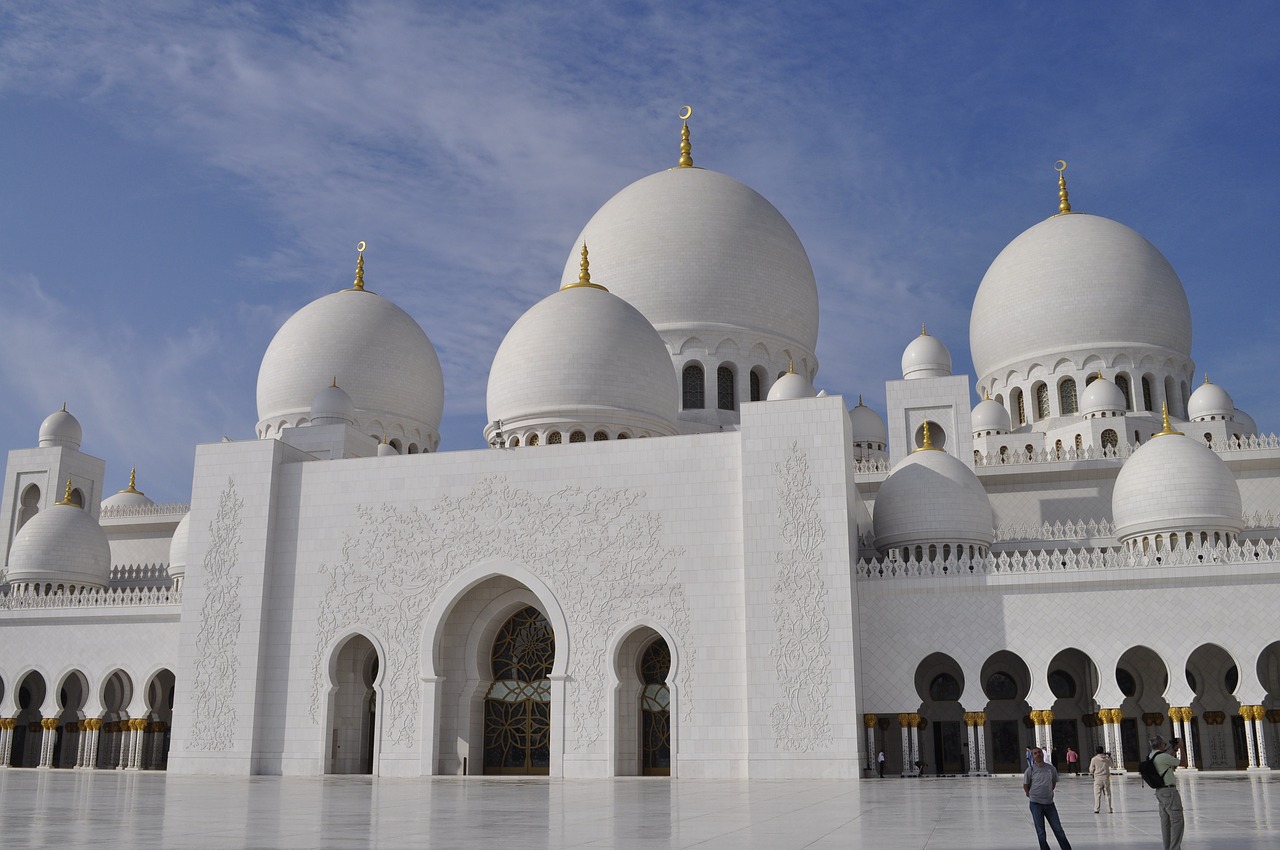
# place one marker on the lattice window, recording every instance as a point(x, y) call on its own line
point(1122, 381)
point(554, 438)
point(725, 396)
point(1042, 401)
point(694, 391)
point(1110, 439)
point(600, 436)
point(1067, 396)
point(755, 385)
point(577, 437)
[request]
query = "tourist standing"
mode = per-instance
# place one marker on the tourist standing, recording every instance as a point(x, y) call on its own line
point(1073, 760)
point(1038, 784)
point(880, 763)
point(1166, 761)
point(1100, 770)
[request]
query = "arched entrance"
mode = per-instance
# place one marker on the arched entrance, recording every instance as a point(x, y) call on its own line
point(1006, 681)
point(27, 733)
point(71, 700)
point(517, 705)
point(1073, 681)
point(655, 710)
point(939, 684)
point(353, 713)
point(1142, 677)
point(160, 710)
point(1222, 744)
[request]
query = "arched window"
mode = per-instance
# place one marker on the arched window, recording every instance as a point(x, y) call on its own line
point(624, 436)
point(77, 498)
point(944, 688)
point(1110, 439)
point(517, 707)
point(600, 436)
point(1019, 406)
point(694, 391)
point(30, 504)
point(1030, 450)
point(755, 385)
point(1148, 403)
point(577, 437)
point(725, 398)
point(395, 444)
point(554, 438)
point(1001, 685)
point(1122, 381)
point(1061, 684)
point(533, 440)
point(1079, 443)
point(514, 443)
point(1067, 396)
point(1171, 395)
point(1042, 401)
point(1208, 438)
point(1057, 449)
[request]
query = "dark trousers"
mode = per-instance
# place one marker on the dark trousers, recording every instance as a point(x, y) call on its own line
point(1041, 811)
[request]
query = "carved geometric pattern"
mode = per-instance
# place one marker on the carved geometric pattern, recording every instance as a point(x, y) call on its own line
point(598, 552)
point(801, 655)
point(213, 684)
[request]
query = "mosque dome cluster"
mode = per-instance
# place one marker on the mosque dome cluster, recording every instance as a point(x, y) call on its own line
point(62, 545)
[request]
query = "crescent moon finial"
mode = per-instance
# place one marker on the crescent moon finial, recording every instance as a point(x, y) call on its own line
point(1060, 166)
point(686, 149)
point(360, 247)
point(1064, 205)
point(686, 113)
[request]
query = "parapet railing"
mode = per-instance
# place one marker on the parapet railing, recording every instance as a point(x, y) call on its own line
point(110, 597)
point(168, 509)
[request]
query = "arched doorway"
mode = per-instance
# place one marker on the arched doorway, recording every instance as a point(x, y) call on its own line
point(353, 714)
point(117, 693)
point(1222, 743)
point(25, 751)
point(655, 710)
point(939, 684)
point(517, 706)
point(160, 710)
point(71, 699)
point(1073, 681)
point(1006, 681)
point(1143, 678)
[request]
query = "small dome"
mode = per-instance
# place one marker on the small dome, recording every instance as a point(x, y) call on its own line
point(61, 545)
point(1245, 426)
point(931, 497)
point(178, 546)
point(61, 429)
point(1028, 306)
point(990, 415)
point(1174, 484)
point(1102, 396)
point(129, 497)
point(925, 357)
point(583, 356)
point(332, 406)
point(1210, 401)
point(867, 426)
point(377, 352)
point(699, 253)
point(792, 385)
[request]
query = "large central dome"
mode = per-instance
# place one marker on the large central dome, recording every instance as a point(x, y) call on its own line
point(1073, 284)
point(697, 252)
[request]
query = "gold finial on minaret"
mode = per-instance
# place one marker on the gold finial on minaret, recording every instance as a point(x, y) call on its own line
point(924, 331)
point(66, 498)
point(584, 274)
point(686, 158)
point(1064, 205)
point(359, 284)
point(1206, 377)
point(926, 445)
point(133, 483)
point(1167, 430)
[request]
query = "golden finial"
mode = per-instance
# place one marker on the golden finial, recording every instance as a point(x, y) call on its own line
point(860, 404)
point(1206, 377)
point(1099, 374)
point(986, 394)
point(584, 274)
point(133, 483)
point(1064, 205)
point(791, 366)
point(926, 445)
point(686, 158)
point(66, 499)
point(359, 284)
point(1167, 430)
point(64, 407)
point(924, 331)
point(335, 382)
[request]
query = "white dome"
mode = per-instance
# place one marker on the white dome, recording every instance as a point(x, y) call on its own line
point(867, 426)
point(700, 254)
point(931, 497)
point(129, 497)
point(1173, 483)
point(377, 353)
point(583, 356)
point(61, 429)
point(792, 385)
point(925, 357)
point(1210, 401)
point(178, 547)
point(333, 406)
point(63, 545)
point(1245, 426)
point(990, 415)
point(1034, 298)
point(1102, 396)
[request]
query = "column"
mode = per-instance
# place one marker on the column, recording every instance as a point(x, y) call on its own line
point(137, 730)
point(869, 721)
point(121, 745)
point(908, 763)
point(1259, 715)
point(155, 759)
point(1043, 720)
point(48, 736)
point(915, 742)
point(970, 722)
point(1246, 711)
point(981, 726)
point(1111, 718)
point(6, 739)
point(1184, 715)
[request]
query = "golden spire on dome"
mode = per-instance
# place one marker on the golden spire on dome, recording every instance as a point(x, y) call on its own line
point(66, 498)
point(1064, 205)
point(924, 331)
point(334, 385)
point(1206, 377)
point(1099, 374)
point(133, 483)
point(860, 404)
point(64, 407)
point(584, 274)
point(358, 286)
point(926, 445)
point(1167, 430)
point(791, 366)
point(686, 157)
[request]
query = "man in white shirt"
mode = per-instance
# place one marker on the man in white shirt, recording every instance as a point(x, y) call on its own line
point(1100, 770)
point(1165, 758)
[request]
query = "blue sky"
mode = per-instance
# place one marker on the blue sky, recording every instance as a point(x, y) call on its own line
point(179, 178)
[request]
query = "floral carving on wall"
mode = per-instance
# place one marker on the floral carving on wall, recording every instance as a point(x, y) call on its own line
point(597, 550)
point(801, 655)
point(213, 683)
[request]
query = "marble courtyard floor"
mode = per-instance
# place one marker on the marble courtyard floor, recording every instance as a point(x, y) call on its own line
point(62, 808)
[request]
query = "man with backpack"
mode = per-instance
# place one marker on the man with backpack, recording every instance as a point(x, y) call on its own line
point(1160, 767)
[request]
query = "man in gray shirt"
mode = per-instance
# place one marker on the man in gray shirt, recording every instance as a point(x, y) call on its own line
point(1166, 761)
point(1038, 784)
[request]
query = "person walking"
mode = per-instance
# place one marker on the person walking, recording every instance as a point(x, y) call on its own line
point(880, 763)
point(1166, 760)
point(1038, 784)
point(1073, 760)
point(1100, 770)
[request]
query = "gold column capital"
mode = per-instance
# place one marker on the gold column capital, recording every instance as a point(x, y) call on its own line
point(904, 720)
point(138, 724)
point(869, 721)
point(50, 723)
point(91, 724)
point(8, 723)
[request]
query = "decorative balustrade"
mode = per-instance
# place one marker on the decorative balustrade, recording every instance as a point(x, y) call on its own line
point(140, 574)
point(110, 597)
point(1081, 530)
point(121, 511)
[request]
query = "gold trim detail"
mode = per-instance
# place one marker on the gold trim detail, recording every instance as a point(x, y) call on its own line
point(584, 274)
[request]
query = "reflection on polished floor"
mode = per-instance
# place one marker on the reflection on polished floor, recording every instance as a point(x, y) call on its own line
point(62, 808)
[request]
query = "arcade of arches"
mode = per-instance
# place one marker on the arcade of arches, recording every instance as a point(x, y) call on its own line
point(89, 724)
point(962, 727)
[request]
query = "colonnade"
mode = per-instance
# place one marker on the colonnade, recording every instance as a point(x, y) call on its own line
point(127, 744)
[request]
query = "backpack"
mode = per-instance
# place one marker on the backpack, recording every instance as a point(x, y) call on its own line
point(1150, 773)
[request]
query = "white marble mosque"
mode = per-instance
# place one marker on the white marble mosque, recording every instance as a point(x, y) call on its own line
point(676, 557)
